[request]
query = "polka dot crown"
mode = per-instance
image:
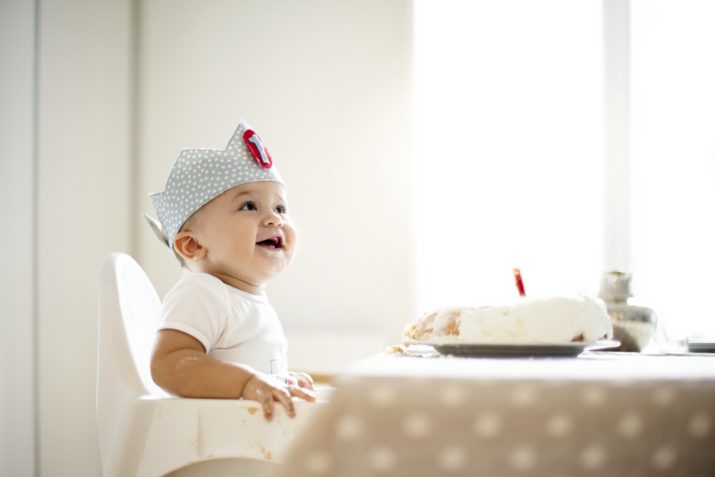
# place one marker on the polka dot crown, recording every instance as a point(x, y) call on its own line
point(200, 175)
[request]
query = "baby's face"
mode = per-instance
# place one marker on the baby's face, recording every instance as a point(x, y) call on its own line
point(247, 234)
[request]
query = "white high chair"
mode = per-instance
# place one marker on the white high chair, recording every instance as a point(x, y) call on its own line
point(145, 432)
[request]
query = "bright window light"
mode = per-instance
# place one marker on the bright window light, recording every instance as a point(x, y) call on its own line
point(673, 161)
point(509, 108)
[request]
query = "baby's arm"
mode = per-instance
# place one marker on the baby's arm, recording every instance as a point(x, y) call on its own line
point(180, 365)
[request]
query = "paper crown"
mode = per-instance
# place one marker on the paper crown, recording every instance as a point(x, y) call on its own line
point(200, 175)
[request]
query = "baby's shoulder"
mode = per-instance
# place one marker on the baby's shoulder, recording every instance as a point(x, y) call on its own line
point(201, 284)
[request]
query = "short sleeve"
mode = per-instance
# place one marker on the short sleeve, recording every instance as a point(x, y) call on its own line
point(198, 305)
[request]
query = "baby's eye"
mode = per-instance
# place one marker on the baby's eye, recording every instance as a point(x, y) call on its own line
point(282, 209)
point(250, 205)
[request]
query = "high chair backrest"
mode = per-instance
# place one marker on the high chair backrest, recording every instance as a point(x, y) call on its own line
point(131, 307)
point(128, 316)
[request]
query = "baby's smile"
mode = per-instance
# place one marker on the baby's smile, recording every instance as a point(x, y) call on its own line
point(272, 243)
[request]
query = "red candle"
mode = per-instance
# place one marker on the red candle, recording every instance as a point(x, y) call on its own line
point(519, 282)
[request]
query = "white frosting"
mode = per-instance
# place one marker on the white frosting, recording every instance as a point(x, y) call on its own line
point(552, 320)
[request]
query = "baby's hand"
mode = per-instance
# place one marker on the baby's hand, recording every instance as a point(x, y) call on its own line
point(266, 389)
point(299, 378)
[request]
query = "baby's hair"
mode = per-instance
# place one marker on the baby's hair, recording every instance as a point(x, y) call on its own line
point(188, 222)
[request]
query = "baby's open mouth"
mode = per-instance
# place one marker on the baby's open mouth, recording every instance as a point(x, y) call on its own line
point(272, 243)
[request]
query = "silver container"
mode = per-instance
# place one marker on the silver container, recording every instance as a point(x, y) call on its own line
point(634, 326)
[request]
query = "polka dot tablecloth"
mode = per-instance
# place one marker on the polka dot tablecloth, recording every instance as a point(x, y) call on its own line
point(614, 416)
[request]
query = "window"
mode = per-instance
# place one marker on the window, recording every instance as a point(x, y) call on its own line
point(510, 142)
point(508, 145)
point(673, 161)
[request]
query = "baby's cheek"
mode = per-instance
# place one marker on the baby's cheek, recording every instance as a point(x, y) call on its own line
point(289, 255)
point(291, 234)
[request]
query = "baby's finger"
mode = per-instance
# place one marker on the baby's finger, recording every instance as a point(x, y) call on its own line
point(304, 380)
point(303, 393)
point(283, 397)
point(306, 383)
point(307, 377)
point(268, 407)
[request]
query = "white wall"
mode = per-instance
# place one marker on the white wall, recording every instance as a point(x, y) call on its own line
point(326, 85)
point(17, 424)
point(83, 197)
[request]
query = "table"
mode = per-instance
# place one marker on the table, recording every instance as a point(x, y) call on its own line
point(601, 414)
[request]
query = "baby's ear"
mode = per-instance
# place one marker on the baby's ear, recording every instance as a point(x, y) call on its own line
point(188, 246)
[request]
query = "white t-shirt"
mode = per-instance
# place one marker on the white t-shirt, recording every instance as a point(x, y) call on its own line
point(232, 325)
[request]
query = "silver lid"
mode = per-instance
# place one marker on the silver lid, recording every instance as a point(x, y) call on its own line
point(616, 286)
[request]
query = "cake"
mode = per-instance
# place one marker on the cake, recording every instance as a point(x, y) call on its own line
point(528, 321)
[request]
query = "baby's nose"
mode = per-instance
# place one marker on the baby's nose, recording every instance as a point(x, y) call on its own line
point(273, 219)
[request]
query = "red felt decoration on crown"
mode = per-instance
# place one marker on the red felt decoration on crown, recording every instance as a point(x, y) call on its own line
point(259, 151)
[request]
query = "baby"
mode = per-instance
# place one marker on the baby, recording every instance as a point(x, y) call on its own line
point(225, 217)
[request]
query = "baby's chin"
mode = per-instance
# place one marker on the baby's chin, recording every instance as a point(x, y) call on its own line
point(270, 269)
point(276, 260)
point(273, 271)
